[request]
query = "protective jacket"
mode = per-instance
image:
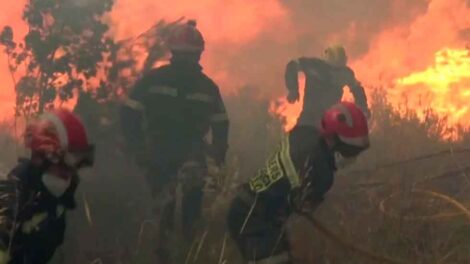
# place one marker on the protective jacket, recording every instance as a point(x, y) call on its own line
point(323, 87)
point(32, 220)
point(302, 165)
point(300, 171)
point(172, 108)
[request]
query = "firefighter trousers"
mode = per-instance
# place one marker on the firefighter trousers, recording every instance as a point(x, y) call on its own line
point(180, 209)
point(260, 239)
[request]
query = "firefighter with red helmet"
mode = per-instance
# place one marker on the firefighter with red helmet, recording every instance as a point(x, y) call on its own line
point(300, 172)
point(325, 79)
point(37, 193)
point(165, 121)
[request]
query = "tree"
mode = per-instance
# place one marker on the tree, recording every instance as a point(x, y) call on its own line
point(63, 51)
point(69, 53)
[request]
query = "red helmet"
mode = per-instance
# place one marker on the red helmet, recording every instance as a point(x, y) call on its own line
point(60, 134)
point(186, 38)
point(346, 121)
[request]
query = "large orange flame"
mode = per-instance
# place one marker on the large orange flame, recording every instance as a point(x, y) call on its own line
point(10, 13)
point(227, 27)
point(286, 111)
point(423, 63)
point(250, 42)
point(443, 87)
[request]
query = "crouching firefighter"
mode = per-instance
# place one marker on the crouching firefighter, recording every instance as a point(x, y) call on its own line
point(165, 121)
point(325, 79)
point(37, 193)
point(299, 173)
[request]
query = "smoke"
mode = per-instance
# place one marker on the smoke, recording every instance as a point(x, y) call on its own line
point(317, 24)
point(405, 48)
point(231, 28)
point(250, 42)
point(349, 22)
point(10, 14)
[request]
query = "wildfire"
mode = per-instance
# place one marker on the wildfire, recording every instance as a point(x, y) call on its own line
point(10, 13)
point(286, 111)
point(250, 42)
point(443, 87)
point(420, 63)
point(227, 27)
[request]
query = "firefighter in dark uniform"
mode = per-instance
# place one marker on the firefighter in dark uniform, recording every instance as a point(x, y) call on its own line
point(324, 82)
point(37, 193)
point(300, 172)
point(166, 119)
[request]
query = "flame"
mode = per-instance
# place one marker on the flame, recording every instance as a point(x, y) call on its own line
point(243, 20)
point(10, 13)
point(445, 86)
point(422, 62)
point(250, 42)
point(227, 26)
point(403, 49)
point(287, 112)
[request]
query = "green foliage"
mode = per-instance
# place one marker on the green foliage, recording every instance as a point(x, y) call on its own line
point(67, 49)
point(62, 51)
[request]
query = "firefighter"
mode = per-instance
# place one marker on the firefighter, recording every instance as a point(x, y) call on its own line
point(166, 119)
point(324, 82)
point(36, 194)
point(299, 173)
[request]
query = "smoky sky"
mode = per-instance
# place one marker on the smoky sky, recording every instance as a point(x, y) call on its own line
point(250, 42)
point(312, 26)
point(321, 18)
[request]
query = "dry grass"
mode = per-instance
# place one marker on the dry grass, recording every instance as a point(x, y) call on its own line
point(415, 212)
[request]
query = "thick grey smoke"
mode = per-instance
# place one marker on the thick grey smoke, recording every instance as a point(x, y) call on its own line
point(313, 25)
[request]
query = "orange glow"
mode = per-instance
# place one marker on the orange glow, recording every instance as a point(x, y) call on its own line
point(444, 86)
point(227, 26)
point(423, 63)
point(10, 14)
point(286, 111)
point(422, 58)
point(232, 22)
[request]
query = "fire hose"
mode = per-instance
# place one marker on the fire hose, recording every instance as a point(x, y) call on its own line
point(335, 237)
point(367, 253)
point(347, 244)
point(463, 210)
point(414, 159)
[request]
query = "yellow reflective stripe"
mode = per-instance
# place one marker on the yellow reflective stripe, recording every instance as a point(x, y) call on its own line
point(261, 181)
point(268, 175)
point(200, 97)
point(273, 166)
point(219, 117)
point(33, 224)
point(133, 104)
point(60, 210)
point(277, 166)
point(165, 90)
point(4, 256)
point(289, 167)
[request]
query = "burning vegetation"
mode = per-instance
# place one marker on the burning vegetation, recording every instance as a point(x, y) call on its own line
point(406, 197)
